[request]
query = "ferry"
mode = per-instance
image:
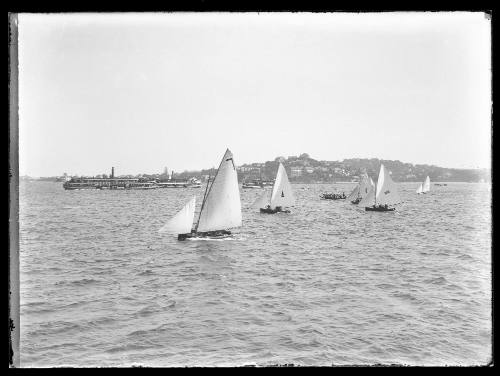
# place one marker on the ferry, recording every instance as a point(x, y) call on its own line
point(108, 183)
point(177, 183)
point(257, 183)
point(127, 183)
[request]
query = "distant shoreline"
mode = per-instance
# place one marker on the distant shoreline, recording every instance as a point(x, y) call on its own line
point(309, 183)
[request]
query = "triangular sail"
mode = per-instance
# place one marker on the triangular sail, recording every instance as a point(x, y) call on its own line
point(427, 185)
point(369, 199)
point(386, 192)
point(354, 194)
point(364, 186)
point(282, 190)
point(222, 206)
point(262, 201)
point(420, 189)
point(181, 222)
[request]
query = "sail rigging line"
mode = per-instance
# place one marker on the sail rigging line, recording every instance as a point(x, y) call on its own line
point(202, 204)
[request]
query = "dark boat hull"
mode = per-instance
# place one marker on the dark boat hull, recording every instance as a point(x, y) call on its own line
point(355, 202)
point(219, 234)
point(379, 209)
point(332, 196)
point(273, 211)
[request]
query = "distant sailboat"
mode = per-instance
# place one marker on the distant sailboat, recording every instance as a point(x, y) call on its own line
point(220, 209)
point(420, 189)
point(384, 194)
point(281, 195)
point(425, 186)
point(361, 190)
point(354, 194)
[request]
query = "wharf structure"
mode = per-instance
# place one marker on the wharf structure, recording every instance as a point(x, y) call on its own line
point(108, 183)
point(127, 183)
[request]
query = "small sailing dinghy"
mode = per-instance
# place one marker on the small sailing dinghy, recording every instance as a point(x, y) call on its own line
point(384, 194)
point(281, 195)
point(361, 190)
point(425, 186)
point(220, 209)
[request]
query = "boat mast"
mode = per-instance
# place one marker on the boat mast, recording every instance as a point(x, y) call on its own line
point(202, 204)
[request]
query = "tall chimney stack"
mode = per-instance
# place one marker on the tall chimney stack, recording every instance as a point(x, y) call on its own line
point(112, 172)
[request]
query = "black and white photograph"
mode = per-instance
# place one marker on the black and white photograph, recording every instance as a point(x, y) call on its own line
point(263, 189)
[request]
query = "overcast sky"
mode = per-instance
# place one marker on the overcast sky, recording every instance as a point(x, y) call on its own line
point(145, 91)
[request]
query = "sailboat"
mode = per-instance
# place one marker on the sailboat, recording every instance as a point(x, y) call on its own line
point(425, 186)
point(281, 195)
point(361, 190)
point(384, 194)
point(220, 209)
point(420, 189)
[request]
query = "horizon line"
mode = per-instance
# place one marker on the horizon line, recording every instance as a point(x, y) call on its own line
point(248, 163)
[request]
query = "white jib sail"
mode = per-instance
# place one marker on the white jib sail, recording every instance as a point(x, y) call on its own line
point(427, 185)
point(282, 190)
point(420, 189)
point(387, 192)
point(181, 222)
point(262, 201)
point(369, 199)
point(364, 186)
point(354, 194)
point(222, 207)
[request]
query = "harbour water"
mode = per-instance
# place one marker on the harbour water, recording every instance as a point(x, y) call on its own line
point(327, 284)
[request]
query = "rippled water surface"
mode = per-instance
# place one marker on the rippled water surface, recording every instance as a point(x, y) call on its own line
point(327, 284)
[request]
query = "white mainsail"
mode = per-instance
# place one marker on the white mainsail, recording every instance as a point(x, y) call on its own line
point(386, 192)
point(282, 190)
point(262, 200)
point(420, 189)
point(427, 185)
point(222, 206)
point(181, 222)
